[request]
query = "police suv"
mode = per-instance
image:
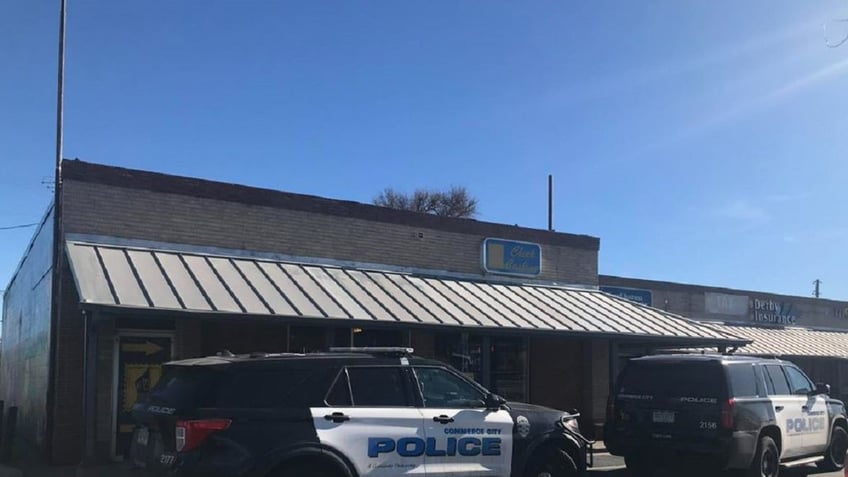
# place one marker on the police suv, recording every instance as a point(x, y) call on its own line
point(725, 412)
point(347, 413)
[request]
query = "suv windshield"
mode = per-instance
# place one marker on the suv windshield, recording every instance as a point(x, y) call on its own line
point(673, 379)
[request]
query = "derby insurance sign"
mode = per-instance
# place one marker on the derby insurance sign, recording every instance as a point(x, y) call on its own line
point(509, 257)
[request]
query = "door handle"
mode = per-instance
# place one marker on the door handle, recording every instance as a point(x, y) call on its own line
point(337, 417)
point(778, 408)
point(442, 419)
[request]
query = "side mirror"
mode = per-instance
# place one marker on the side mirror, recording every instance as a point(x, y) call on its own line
point(494, 402)
point(822, 388)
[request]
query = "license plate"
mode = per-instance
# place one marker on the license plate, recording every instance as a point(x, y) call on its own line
point(663, 417)
point(143, 436)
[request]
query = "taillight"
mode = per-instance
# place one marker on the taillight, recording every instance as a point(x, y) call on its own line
point(191, 434)
point(727, 419)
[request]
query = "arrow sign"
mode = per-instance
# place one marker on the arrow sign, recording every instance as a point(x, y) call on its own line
point(147, 348)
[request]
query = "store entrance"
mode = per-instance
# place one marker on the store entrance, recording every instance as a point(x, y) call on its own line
point(138, 367)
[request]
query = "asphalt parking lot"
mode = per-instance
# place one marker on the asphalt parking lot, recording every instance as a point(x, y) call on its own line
point(612, 466)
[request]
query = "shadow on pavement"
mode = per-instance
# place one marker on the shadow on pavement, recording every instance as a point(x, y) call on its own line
point(800, 472)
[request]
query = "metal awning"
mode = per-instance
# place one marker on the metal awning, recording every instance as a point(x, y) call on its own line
point(788, 341)
point(191, 282)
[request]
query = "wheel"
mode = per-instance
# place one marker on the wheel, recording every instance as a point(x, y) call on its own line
point(554, 462)
point(834, 456)
point(639, 465)
point(767, 459)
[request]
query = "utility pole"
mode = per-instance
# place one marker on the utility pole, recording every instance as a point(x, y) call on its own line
point(550, 202)
point(58, 235)
point(817, 290)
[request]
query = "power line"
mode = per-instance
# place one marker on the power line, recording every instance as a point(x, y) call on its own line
point(22, 226)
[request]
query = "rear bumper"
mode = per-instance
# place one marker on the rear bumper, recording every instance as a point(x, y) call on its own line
point(734, 451)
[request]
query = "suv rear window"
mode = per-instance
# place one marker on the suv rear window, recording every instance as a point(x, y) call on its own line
point(182, 386)
point(673, 379)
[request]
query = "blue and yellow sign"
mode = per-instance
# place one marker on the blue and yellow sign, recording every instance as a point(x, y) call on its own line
point(508, 257)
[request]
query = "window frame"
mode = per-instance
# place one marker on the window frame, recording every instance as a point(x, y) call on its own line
point(420, 395)
point(339, 374)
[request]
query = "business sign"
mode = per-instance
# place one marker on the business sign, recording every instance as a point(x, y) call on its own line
point(773, 312)
point(633, 294)
point(724, 304)
point(508, 257)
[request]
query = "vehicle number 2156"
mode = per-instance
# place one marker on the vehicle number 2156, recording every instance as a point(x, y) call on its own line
point(709, 425)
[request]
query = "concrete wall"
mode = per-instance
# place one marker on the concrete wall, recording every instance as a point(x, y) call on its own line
point(98, 209)
point(26, 336)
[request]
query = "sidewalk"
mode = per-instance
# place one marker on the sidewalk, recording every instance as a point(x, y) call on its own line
point(110, 470)
point(28, 462)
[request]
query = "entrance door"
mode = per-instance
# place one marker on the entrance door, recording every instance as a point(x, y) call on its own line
point(138, 367)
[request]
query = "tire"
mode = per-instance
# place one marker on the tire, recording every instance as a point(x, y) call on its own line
point(554, 462)
point(834, 456)
point(767, 459)
point(639, 466)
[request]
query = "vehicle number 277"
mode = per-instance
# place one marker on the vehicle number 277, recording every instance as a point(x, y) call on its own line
point(709, 425)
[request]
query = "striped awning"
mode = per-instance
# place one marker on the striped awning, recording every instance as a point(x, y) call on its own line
point(193, 282)
point(788, 341)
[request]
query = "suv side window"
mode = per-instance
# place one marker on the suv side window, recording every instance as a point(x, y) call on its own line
point(441, 388)
point(776, 380)
point(743, 380)
point(798, 381)
point(384, 386)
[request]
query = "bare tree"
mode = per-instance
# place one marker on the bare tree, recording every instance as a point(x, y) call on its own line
point(454, 202)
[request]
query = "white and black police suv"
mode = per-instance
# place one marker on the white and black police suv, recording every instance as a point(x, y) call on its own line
point(723, 412)
point(352, 412)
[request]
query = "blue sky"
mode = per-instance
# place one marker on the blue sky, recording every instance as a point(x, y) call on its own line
point(704, 142)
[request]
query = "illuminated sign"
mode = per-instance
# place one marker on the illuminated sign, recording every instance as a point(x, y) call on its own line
point(508, 257)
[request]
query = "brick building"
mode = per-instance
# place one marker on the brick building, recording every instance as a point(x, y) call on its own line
point(812, 332)
point(158, 267)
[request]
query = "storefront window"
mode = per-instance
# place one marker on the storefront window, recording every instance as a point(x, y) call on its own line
point(307, 339)
point(365, 337)
point(509, 367)
point(462, 351)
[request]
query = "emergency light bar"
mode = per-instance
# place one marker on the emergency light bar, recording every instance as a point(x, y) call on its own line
point(389, 351)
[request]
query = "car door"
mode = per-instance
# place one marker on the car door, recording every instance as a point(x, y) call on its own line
point(813, 428)
point(463, 437)
point(787, 409)
point(371, 417)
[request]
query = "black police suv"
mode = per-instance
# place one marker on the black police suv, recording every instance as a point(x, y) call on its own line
point(723, 412)
point(346, 413)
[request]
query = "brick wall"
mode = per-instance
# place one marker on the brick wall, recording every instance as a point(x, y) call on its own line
point(69, 377)
point(92, 208)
